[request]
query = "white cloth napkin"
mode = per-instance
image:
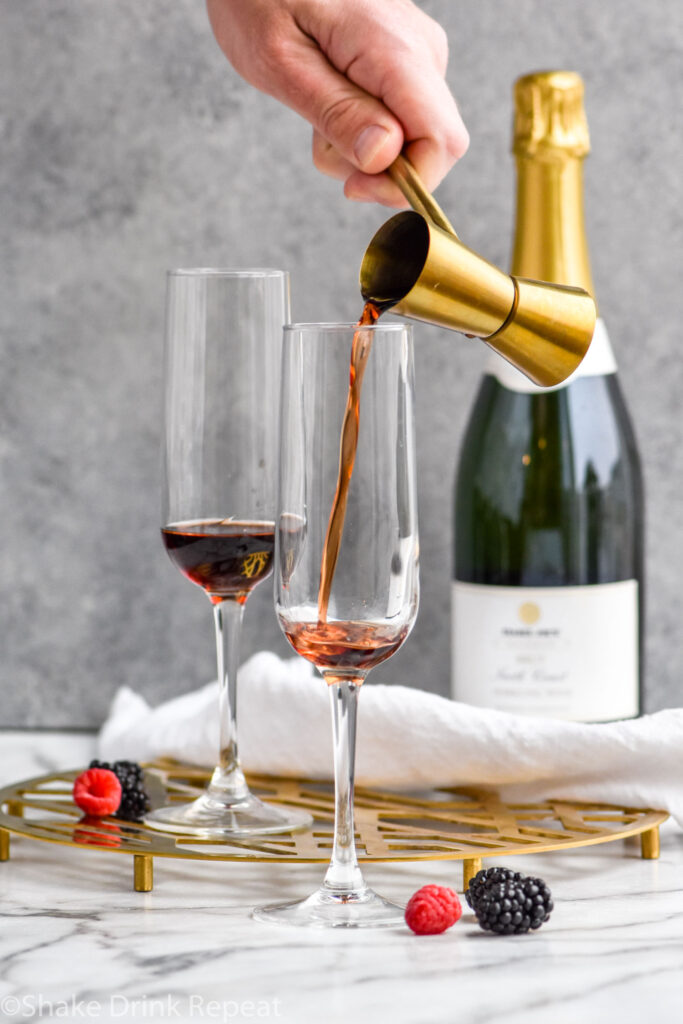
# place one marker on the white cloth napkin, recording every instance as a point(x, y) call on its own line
point(409, 738)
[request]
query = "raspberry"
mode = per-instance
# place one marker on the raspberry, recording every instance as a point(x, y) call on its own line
point(134, 798)
point(432, 909)
point(97, 792)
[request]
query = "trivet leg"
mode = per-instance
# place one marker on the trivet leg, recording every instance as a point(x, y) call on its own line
point(15, 808)
point(649, 844)
point(143, 872)
point(4, 844)
point(470, 866)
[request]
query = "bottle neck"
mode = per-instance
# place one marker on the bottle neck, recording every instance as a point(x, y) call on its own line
point(550, 236)
point(550, 245)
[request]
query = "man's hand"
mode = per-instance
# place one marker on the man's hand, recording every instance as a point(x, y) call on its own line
point(367, 74)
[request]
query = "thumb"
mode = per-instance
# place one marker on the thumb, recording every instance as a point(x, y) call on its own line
point(356, 124)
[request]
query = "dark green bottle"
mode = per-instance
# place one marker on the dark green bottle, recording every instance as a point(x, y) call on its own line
point(547, 595)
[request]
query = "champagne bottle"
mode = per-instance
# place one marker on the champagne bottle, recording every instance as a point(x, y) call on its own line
point(547, 595)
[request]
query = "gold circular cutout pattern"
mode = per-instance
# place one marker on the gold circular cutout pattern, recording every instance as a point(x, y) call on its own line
point(529, 613)
point(442, 824)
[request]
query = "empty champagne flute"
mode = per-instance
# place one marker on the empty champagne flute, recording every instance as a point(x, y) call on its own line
point(220, 450)
point(346, 585)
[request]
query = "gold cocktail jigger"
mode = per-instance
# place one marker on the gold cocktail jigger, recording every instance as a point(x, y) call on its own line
point(417, 266)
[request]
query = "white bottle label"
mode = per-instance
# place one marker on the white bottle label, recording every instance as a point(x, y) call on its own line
point(557, 652)
point(598, 361)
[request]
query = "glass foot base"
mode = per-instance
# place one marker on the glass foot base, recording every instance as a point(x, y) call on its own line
point(211, 817)
point(326, 909)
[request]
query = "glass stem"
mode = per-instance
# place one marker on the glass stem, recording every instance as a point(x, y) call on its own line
point(227, 781)
point(343, 875)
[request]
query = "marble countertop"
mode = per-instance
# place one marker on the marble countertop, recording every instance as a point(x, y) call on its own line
point(78, 943)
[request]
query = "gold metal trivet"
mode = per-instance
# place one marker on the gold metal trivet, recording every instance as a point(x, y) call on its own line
point(441, 824)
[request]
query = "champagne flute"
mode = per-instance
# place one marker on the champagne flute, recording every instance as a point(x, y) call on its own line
point(352, 608)
point(222, 371)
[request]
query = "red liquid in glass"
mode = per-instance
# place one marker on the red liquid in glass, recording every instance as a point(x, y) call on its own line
point(224, 557)
point(345, 645)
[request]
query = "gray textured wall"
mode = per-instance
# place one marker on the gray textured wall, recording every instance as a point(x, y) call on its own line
point(128, 146)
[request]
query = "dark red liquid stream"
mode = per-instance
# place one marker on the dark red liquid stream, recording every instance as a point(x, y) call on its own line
point(360, 351)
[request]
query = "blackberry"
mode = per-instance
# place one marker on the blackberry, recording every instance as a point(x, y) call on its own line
point(134, 798)
point(507, 902)
point(487, 877)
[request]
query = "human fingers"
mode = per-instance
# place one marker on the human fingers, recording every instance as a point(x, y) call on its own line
point(368, 78)
point(328, 160)
point(394, 51)
point(267, 46)
point(435, 135)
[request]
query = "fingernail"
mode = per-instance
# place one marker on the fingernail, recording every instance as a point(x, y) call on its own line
point(369, 143)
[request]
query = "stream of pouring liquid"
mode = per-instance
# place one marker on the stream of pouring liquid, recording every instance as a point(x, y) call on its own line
point(360, 351)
